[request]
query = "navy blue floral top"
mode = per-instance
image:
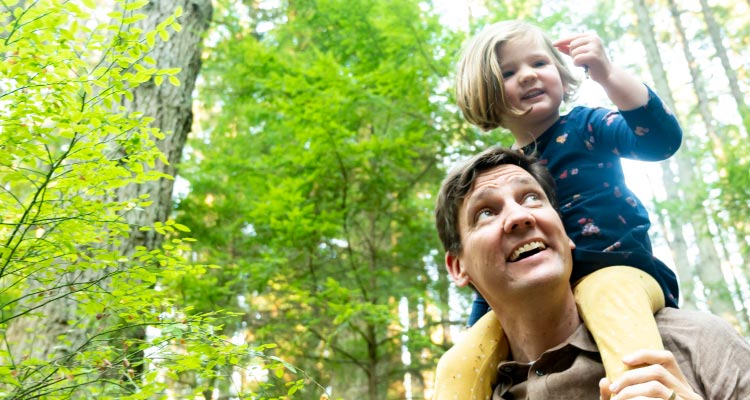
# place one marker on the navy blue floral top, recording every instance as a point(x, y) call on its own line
point(607, 222)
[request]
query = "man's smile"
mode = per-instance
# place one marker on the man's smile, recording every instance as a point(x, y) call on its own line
point(527, 250)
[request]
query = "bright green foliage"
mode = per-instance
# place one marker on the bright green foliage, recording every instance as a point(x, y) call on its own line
point(313, 184)
point(66, 146)
point(734, 194)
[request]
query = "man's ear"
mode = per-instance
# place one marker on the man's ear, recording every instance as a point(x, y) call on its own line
point(456, 269)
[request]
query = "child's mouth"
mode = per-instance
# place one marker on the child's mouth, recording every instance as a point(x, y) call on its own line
point(532, 94)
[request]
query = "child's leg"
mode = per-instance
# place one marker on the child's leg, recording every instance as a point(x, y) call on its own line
point(617, 305)
point(469, 369)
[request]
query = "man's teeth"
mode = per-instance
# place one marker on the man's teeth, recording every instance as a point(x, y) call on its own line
point(527, 247)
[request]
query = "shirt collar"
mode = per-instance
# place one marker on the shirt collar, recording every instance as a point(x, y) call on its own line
point(513, 372)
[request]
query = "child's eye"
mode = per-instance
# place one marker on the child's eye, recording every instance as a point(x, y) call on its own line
point(507, 74)
point(540, 63)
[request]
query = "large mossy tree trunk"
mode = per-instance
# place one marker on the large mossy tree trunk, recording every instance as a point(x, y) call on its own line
point(49, 334)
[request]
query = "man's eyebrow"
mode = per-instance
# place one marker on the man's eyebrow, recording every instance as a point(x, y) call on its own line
point(524, 180)
point(479, 195)
point(482, 193)
point(472, 199)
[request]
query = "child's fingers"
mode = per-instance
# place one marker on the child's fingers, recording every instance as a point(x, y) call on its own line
point(649, 357)
point(567, 40)
point(664, 358)
point(659, 375)
point(604, 392)
point(571, 42)
point(563, 45)
point(563, 48)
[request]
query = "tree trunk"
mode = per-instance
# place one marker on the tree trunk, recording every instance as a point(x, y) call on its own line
point(738, 276)
point(444, 296)
point(678, 245)
point(171, 109)
point(714, 32)
point(373, 361)
point(710, 272)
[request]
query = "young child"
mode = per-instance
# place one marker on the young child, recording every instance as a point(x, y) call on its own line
point(512, 76)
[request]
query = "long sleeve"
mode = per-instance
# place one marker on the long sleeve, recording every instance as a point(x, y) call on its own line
point(648, 133)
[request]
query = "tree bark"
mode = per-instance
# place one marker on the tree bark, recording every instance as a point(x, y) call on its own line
point(714, 32)
point(171, 109)
point(710, 272)
point(678, 245)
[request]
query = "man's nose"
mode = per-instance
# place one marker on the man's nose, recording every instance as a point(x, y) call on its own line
point(518, 218)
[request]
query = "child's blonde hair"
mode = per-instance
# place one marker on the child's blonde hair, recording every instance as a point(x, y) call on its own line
point(479, 80)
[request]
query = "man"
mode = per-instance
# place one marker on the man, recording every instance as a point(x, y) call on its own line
point(497, 218)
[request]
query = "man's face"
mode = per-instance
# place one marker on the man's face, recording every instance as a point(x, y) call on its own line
point(514, 243)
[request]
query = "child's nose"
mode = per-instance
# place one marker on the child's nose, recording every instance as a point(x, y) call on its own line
point(526, 75)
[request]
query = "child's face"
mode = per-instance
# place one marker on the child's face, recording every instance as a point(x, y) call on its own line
point(531, 82)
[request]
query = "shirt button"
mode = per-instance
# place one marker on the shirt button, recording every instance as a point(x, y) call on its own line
point(539, 372)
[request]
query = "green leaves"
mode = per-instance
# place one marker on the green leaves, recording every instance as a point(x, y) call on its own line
point(69, 150)
point(324, 144)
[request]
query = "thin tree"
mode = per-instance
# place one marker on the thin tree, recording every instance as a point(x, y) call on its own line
point(678, 244)
point(714, 32)
point(718, 143)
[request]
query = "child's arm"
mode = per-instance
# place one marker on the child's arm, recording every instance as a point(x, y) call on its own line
point(649, 133)
point(624, 89)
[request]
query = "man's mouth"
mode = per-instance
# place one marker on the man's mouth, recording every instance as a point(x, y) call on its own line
point(532, 94)
point(527, 250)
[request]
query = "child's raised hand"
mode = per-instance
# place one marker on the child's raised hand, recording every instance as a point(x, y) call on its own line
point(587, 51)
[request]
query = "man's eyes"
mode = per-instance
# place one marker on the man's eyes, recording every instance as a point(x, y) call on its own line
point(484, 213)
point(532, 198)
point(528, 200)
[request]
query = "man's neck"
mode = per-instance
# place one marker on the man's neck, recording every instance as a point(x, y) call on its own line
point(540, 327)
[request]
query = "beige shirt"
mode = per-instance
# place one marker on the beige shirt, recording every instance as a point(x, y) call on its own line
point(713, 357)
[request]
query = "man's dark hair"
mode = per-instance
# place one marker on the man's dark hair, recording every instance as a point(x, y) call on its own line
point(461, 179)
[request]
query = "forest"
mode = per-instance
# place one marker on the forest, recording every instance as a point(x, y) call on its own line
point(233, 199)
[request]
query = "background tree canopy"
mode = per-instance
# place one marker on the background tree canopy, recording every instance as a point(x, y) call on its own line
point(297, 257)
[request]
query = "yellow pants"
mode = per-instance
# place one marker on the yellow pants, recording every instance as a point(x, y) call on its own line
point(616, 304)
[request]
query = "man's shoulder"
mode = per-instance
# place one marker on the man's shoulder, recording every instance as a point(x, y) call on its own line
point(669, 314)
point(693, 326)
point(712, 355)
point(679, 316)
